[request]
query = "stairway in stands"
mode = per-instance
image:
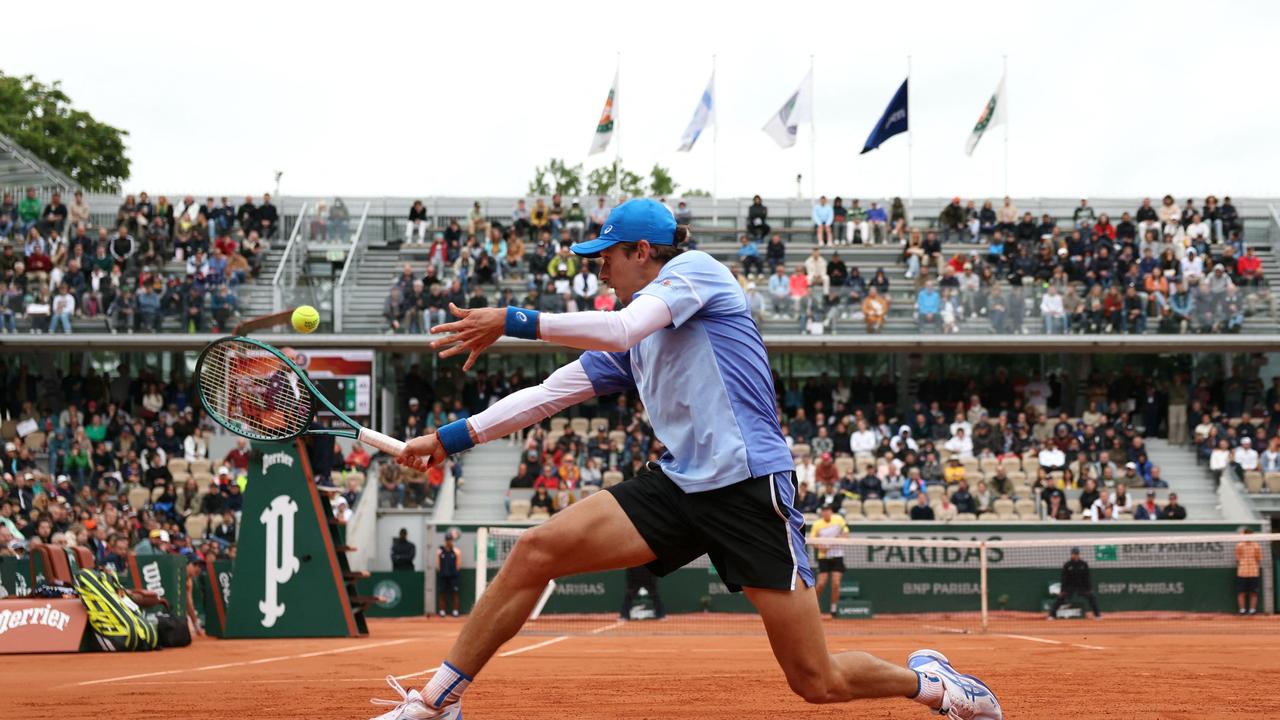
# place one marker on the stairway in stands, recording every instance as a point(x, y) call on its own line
point(368, 287)
point(1192, 482)
point(486, 471)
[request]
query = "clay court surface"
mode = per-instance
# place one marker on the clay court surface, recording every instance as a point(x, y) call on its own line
point(1170, 673)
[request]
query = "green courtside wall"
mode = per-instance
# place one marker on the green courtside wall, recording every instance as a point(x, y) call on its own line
point(943, 584)
point(286, 581)
point(402, 590)
point(15, 577)
point(166, 575)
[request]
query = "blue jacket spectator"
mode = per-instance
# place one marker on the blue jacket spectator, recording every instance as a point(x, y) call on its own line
point(928, 301)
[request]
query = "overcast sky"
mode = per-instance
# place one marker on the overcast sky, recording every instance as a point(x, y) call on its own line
point(464, 98)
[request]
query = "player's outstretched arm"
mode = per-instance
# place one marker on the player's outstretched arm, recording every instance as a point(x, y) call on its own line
point(476, 330)
point(567, 386)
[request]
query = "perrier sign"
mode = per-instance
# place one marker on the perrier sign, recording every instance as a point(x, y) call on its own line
point(287, 581)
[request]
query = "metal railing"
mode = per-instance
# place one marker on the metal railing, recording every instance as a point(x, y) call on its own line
point(290, 261)
point(354, 250)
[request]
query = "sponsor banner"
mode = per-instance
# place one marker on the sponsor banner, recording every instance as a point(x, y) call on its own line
point(165, 575)
point(286, 581)
point(15, 577)
point(41, 625)
point(402, 591)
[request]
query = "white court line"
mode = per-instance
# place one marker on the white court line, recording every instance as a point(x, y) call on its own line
point(941, 628)
point(420, 672)
point(607, 628)
point(534, 646)
point(560, 638)
point(349, 648)
point(1047, 641)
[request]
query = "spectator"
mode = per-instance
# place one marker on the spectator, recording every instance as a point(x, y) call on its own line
point(1053, 312)
point(921, 510)
point(964, 500)
point(417, 224)
point(448, 575)
point(403, 552)
point(62, 309)
point(758, 220)
point(830, 557)
point(928, 308)
point(875, 310)
point(1174, 511)
point(1148, 510)
point(1248, 571)
point(1075, 580)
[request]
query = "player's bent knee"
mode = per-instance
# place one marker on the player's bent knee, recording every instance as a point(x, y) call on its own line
point(533, 557)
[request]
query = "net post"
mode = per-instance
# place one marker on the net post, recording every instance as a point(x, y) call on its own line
point(482, 561)
point(982, 580)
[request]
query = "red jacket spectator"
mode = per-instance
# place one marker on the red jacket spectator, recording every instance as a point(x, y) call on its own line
point(1249, 266)
point(1106, 230)
point(39, 262)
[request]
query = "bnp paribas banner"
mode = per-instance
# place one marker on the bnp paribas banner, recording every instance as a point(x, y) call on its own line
point(286, 581)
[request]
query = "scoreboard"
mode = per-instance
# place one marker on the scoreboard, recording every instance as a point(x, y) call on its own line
point(345, 377)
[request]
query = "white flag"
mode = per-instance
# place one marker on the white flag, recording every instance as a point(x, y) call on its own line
point(701, 116)
point(992, 114)
point(608, 120)
point(782, 126)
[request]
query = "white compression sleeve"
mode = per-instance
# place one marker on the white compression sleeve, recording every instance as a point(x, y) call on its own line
point(565, 387)
point(607, 331)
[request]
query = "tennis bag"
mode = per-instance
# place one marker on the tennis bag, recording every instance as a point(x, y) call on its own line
point(173, 631)
point(116, 621)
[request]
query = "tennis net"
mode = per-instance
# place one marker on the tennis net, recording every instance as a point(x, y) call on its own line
point(1138, 582)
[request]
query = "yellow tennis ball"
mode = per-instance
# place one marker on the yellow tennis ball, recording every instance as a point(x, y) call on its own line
point(305, 319)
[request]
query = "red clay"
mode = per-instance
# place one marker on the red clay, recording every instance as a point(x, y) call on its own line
point(1117, 675)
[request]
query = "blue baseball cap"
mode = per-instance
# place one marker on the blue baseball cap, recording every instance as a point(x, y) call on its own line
point(632, 221)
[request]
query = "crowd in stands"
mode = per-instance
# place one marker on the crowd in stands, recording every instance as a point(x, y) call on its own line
point(117, 464)
point(148, 263)
point(1166, 269)
point(964, 448)
point(1238, 435)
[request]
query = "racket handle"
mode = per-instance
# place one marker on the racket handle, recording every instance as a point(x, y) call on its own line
point(385, 443)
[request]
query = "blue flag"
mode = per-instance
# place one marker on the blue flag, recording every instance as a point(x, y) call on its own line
point(893, 121)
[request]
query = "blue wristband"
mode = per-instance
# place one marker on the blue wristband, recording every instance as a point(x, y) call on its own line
point(455, 437)
point(522, 323)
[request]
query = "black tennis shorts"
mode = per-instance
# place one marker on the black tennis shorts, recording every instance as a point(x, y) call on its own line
point(827, 565)
point(750, 530)
point(1246, 584)
point(447, 583)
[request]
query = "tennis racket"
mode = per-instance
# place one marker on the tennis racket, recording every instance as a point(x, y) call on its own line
point(255, 391)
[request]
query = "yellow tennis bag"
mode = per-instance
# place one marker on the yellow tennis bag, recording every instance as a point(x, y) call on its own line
point(117, 622)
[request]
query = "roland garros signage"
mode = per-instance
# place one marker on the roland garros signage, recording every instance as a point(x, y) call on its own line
point(40, 625)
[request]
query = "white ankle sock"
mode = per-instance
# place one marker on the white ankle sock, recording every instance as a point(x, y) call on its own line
point(446, 686)
point(930, 691)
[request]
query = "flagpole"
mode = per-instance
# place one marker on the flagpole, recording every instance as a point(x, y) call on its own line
point(715, 137)
point(617, 130)
point(1004, 79)
point(813, 141)
point(910, 197)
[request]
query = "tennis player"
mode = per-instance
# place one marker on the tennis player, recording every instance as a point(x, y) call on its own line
point(686, 343)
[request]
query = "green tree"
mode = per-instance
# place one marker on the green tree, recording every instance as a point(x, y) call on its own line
point(40, 118)
point(556, 176)
point(660, 182)
point(696, 192)
point(607, 179)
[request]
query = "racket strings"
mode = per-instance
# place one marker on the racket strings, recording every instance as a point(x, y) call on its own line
point(254, 392)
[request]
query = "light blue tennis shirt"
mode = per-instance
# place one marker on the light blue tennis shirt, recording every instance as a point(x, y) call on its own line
point(704, 380)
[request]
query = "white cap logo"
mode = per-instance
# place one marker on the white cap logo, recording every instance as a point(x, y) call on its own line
point(607, 229)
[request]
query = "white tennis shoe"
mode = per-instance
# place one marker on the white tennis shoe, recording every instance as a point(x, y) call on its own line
point(411, 706)
point(965, 697)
